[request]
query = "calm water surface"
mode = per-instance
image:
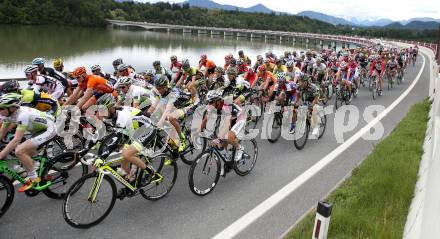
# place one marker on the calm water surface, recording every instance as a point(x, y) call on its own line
point(89, 46)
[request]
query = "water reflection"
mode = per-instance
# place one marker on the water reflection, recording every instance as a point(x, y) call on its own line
point(89, 46)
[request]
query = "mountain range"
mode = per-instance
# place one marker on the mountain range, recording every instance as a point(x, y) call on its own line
point(413, 23)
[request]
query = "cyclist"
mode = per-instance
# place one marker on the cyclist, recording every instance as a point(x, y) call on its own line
point(218, 79)
point(308, 94)
point(207, 64)
point(90, 88)
point(47, 71)
point(175, 103)
point(42, 101)
point(43, 83)
point(293, 73)
point(59, 66)
point(346, 76)
point(286, 91)
point(258, 63)
point(160, 70)
point(115, 64)
point(279, 66)
point(25, 119)
point(175, 68)
point(244, 58)
point(236, 86)
point(132, 120)
point(378, 69)
point(127, 71)
point(133, 95)
point(268, 81)
point(269, 65)
point(97, 70)
point(232, 126)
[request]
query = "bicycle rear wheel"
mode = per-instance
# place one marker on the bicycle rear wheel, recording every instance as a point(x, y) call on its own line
point(6, 194)
point(159, 185)
point(275, 128)
point(246, 164)
point(204, 173)
point(61, 177)
point(79, 210)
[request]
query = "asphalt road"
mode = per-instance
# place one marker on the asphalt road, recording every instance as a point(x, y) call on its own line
point(184, 215)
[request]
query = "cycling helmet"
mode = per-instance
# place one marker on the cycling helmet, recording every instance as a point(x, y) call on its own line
point(343, 65)
point(229, 56)
point(290, 64)
point(173, 58)
point(124, 80)
point(107, 100)
point(262, 68)
point(30, 68)
point(240, 52)
point(278, 61)
point(10, 100)
point(123, 67)
point(38, 61)
point(220, 70)
point(161, 81)
point(57, 63)
point(231, 71)
point(79, 71)
point(185, 64)
point(117, 62)
point(95, 68)
point(203, 57)
point(214, 95)
point(266, 61)
point(281, 76)
point(233, 62)
point(10, 86)
point(259, 58)
point(305, 78)
point(156, 63)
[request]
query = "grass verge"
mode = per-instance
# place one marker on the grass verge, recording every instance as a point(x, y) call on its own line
point(374, 201)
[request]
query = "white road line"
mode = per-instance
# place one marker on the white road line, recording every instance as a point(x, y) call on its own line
point(250, 217)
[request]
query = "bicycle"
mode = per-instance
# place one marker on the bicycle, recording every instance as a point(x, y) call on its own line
point(53, 173)
point(303, 125)
point(88, 187)
point(208, 163)
point(342, 94)
point(390, 80)
point(375, 87)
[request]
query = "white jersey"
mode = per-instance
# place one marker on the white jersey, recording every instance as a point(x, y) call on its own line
point(49, 85)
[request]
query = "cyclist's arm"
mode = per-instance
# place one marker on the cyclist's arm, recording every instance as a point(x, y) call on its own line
point(74, 96)
point(19, 133)
point(85, 97)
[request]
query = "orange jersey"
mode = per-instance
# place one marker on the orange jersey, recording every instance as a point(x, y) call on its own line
point(96, 83)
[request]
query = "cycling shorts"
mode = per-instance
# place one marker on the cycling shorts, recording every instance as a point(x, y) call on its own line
point(46, 136)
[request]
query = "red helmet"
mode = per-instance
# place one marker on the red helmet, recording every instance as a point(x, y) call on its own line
point(79, 71)
point(262, 68)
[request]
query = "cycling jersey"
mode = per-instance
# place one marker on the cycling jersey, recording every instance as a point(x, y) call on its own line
point(295, 73)
point(42, 102)
point(55, 74)
point(278, 69)
point(49, 85)
point(99, 85)
point(39, 124)
point(310, 93)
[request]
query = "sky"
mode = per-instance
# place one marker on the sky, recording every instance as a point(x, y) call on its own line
point(395, 10)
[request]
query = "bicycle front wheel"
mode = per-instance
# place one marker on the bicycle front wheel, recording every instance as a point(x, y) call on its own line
point(81, 209)
point(204, 173)
point(249, 158)
point(6, 194)
point(159, 185)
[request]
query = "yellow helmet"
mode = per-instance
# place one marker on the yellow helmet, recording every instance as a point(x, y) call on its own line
point(57, 63)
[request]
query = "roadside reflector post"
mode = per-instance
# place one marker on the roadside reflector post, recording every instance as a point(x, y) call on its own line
point(322, 220)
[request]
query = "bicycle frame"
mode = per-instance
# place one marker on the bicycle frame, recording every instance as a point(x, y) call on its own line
point(15, 176)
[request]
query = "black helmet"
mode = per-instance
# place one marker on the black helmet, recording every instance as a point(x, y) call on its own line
point(10, 87)
point(156, 63)
point(117, 62)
